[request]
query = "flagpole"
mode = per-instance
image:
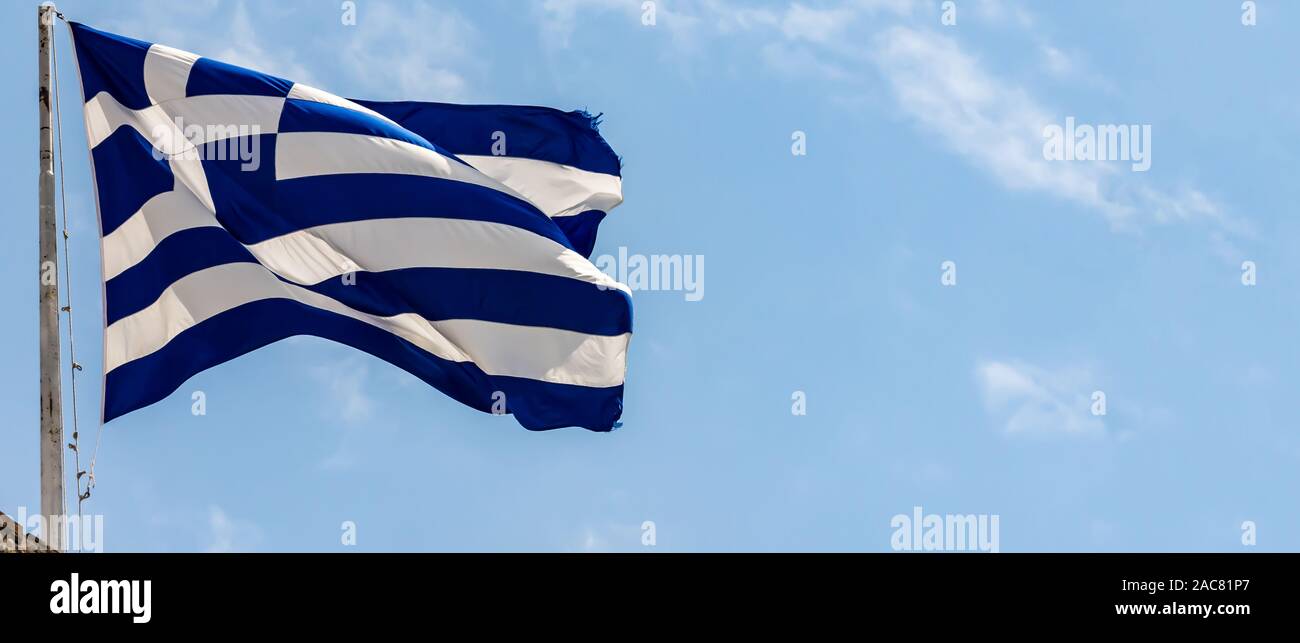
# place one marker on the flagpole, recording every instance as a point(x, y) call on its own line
point(51, 387)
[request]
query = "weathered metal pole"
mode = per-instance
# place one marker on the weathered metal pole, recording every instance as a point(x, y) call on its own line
point(51, 388)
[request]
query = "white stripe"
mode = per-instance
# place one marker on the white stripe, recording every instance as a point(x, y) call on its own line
point(313, 255)
point(538, 353)
point(166, 72)
point(214, 117)
point(190, 176)
point(300, 91)
point(299, 154)
point(160, 217)
point(104, 115)
point(202, 295)
point(558, 190)
point(203, 119)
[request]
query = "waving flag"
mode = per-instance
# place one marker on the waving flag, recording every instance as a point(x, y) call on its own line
point(555, 159)
point(238, 209)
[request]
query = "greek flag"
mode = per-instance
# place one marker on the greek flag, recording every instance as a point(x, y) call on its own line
point(237, 209)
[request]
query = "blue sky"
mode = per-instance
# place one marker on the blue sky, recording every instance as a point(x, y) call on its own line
point(823, 276)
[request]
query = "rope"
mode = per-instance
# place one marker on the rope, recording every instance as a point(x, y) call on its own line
point(75, 445)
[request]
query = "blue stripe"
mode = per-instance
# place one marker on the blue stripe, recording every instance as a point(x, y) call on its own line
point(245, 197)
point(504, 296)
point(111, 63)
point(540, 133)
point(581, 229)
point(180, 254)
point(317, 200)
point(536, 405)
point(310, 116)
point(127, 175)
point(541, 406)
point(208, 76)
point(254, 206)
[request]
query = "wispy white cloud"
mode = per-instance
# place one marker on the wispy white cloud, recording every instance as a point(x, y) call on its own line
point(244, 46)
point(348, 406)
point(795, 61)
point(593, 542)
point(1001, 12)
point(410, 52)
point(346, 401)
point(344, 385)
point(608, 537)
point(1025, 400)
point(1055, 61)
point(559, 18)
point(998, 127)
point(727, 18)
point(203, 27)
point(226, 534)
point(415, 52)
point(816, 25)
point(995, 125)
point(949, 92)
point(1070, 68)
